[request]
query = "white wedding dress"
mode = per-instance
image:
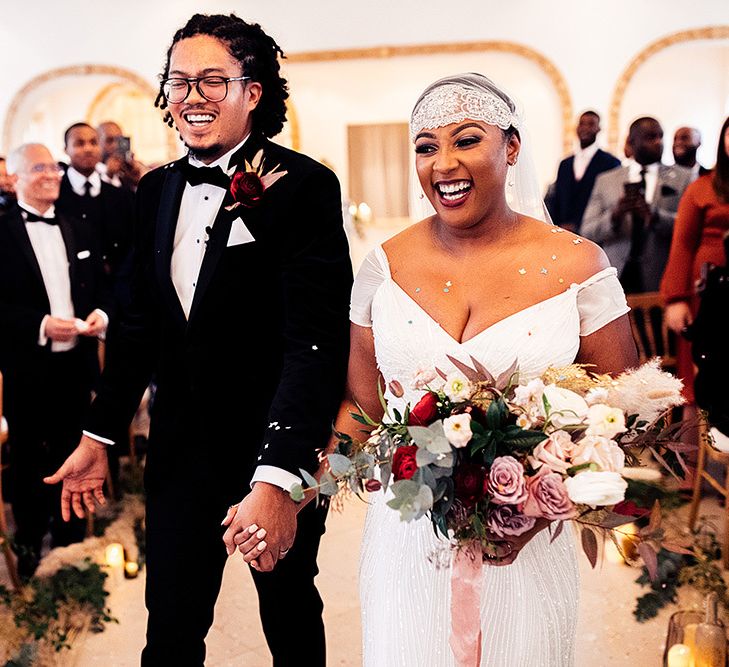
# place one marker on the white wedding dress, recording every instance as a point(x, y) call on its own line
point(529, 608)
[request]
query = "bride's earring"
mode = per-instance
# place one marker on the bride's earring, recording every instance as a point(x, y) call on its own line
point(510, 176)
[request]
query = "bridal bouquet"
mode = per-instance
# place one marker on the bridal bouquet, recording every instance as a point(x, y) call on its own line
point(486, 457)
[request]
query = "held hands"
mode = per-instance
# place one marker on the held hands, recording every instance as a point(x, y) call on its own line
point(60, 329)
point(83, 474)
point(266, 505)
point(507, 549)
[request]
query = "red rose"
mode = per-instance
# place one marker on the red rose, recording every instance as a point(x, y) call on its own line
point(404, 465)
point(246, 188)
point(470, 480)
point(425, 410)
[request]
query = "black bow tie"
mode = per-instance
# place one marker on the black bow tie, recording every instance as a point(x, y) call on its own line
point(32, 217)
point(211, 175)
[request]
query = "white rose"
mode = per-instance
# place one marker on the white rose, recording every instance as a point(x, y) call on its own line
point(566, 408)
point(458, 430)
point(596, 488)
point(457, 387)
point(601, 451)
point(604, 420)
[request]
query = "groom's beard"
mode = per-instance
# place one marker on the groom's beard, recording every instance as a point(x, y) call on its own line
point(202, 154)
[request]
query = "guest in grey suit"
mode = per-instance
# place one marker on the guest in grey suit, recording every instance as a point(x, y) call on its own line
point(632, 209)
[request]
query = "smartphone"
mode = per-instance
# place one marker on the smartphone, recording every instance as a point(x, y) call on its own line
point(634, 190)
point(124, 147)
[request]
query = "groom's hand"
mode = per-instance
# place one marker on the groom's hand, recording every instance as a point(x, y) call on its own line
point(83, 474)
point(271, 508)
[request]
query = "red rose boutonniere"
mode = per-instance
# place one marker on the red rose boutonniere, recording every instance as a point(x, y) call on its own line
point(247, 187)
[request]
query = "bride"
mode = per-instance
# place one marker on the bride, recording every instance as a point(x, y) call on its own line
point(476, 279)
point(479, 279)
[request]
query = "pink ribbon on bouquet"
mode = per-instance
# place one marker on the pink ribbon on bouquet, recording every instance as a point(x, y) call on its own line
point(466, 579)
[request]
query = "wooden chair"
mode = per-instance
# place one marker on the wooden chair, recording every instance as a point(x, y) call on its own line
point(652, 337)
point(707, 453)
point(4, 542)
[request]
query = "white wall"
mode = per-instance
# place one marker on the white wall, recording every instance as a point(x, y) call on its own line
point(590, 43)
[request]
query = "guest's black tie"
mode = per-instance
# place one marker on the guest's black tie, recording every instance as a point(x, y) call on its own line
point(32, 217)
point(87, 189)
point(211, 175)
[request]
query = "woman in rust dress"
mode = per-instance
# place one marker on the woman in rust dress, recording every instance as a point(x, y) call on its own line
point(701, 223)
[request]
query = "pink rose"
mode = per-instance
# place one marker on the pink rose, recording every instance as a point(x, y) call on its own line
point(506, 481)
point(548, 496)
point(506, 520)
point(554, 452)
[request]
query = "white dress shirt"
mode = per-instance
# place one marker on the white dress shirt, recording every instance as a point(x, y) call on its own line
point(583, 157)
point(50, 252)
point(651, 177)
point(78, 182)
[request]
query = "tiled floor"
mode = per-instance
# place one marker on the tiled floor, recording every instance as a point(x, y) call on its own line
point(607, 633)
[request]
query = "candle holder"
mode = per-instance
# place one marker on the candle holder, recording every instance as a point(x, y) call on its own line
point(680, 628)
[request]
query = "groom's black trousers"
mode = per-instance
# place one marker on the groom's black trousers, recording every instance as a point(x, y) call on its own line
point(185, 560)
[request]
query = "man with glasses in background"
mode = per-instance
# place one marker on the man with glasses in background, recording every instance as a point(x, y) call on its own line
point(53, 304)
point(240, 311)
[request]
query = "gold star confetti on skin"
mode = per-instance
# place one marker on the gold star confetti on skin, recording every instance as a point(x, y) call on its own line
point(561, 280)
point(543, 271)
point(554, 231)
point(522, 271)
point(577, 241)
point(449, 283)
point(554, 257)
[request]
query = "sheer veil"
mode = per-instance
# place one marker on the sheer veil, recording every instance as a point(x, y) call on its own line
point(452, 100)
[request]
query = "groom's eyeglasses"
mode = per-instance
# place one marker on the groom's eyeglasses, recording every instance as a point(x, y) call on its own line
point(212, 88)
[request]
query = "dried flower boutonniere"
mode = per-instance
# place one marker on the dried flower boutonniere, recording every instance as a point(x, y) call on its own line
point(247, 187)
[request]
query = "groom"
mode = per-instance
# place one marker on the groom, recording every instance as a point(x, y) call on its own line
point(240, 313)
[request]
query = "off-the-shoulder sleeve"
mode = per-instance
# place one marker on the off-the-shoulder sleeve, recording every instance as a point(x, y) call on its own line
point(370, 276)
point(600, 300)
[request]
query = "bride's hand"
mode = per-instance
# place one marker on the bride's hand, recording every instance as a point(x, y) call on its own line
point(249, 541)
point(507, 550)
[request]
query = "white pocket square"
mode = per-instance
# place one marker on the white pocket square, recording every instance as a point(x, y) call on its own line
point(239, 234)
point(84, 254)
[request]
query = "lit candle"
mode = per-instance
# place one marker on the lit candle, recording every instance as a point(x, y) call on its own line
point(114, 555)
point(131, 569)
point(679, 655)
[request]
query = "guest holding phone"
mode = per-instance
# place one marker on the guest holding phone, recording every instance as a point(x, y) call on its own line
point(118, 166)
point(632, 209)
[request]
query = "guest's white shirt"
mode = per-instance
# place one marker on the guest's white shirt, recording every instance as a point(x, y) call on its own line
point(78, 182)
point(651, 177)
point(583, 157)
point(50, 252)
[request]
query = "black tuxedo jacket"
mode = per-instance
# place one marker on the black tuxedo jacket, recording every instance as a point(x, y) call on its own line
point(256, 374)
point(570, 196)
point(23, 297)
point(113, 209)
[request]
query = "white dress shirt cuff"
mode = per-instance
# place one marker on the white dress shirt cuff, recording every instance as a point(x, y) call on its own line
point(42, 338)
point(98, 438)
point(276, 476)
point(105, 317)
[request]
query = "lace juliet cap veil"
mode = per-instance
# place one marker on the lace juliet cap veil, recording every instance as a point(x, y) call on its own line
point(453, 99)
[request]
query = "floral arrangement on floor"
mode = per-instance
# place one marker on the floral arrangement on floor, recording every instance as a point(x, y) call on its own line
point(487, 457)
point(66, 597)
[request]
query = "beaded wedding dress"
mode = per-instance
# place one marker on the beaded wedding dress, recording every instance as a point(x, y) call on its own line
point(529, 608)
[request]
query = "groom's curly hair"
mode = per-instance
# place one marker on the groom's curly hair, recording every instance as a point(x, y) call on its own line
point(258, 54)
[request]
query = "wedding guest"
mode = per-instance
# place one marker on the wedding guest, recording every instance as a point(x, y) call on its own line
point(7, 188)
point(118, 166)
point(240, 311)
point(632, 208)
point(686, 142)
point(576, 175)
point(53, 305)
point(701, 223)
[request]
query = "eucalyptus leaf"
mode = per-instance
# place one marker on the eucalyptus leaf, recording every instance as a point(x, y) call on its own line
point(385, 474)
point(328, 485)
point(431, 438)
point(445, 460)
point(339, 464)
point(423, 457)
point(296, 493)
point(308, 478)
